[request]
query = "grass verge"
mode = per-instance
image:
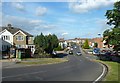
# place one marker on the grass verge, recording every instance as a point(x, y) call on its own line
point(113, 71)
point(43, 61)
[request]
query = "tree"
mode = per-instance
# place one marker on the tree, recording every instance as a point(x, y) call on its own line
point(112, 36)
point(86, 45)
point(95, 44)
point(113, 15)
point(47, 43)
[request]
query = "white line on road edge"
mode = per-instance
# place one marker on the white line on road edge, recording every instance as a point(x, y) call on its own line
point(24, 74)
point(101, 74)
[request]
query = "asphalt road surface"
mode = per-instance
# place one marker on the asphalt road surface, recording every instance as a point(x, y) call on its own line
point(78, 68)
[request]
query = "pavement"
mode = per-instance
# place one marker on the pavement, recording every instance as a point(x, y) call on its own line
point(10, 64)
point(14, 63)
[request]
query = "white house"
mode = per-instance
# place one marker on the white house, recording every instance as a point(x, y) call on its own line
point(6, 39)
point(63, 43)
point(6, 36)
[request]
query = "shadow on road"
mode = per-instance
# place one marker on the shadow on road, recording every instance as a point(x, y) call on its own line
point(60, 55)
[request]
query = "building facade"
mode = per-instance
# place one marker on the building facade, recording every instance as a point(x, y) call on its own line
point(12, 36)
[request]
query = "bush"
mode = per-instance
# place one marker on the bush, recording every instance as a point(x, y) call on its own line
point(58, 48)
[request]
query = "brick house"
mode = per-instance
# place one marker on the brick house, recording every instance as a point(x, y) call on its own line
point(99, 41)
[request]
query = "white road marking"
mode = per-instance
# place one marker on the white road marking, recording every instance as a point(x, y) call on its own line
point(100, 75)
point(24, 74)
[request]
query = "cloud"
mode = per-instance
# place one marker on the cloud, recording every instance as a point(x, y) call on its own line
point(18, 6)
point(65, 33)
point(41, 11)
point(83, 6)
point(30, 25)
point(36, 22)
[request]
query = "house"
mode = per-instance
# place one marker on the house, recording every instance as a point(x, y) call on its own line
point(12, 36)
point(99, 41)
point(63, 43)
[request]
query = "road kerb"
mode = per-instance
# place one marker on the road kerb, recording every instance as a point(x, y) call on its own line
point(103, 74)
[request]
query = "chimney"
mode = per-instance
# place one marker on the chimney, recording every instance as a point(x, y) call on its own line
point(9, 26)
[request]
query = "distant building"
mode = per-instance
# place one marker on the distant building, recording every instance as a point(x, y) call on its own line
point(91, 41)
point(99, 41)
point(63, 43)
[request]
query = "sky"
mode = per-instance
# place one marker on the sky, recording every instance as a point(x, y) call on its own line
point(77, 19)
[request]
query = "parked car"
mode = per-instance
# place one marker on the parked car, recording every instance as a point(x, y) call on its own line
point(5, 56)
point(90, 52)
point(96, 51)
point(102, 52)
point(118, 53)
point(114, 53)
point(79, 53)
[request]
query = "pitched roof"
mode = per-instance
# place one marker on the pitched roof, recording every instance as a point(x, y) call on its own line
point(13, 30)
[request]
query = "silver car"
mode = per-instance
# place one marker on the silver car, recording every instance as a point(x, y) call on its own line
point(79, 53)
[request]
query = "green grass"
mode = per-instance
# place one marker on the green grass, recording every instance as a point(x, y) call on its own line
point(43, 61)
point(113, 71)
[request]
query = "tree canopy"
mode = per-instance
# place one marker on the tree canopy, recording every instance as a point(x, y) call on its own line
point(113, 15)
point(47, 42)
point(86, 45)
point(112, 36)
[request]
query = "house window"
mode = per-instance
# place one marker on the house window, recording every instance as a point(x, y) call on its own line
point(19, 46)
point(20, 38)
point(5, 37)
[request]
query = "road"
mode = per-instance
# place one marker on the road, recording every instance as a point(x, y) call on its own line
point(78, 68)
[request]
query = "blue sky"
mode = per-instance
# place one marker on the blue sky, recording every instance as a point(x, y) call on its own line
point(65, 19)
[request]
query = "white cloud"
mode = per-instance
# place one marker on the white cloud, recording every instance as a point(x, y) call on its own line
point(65, 33)
point(47, 33)
point(18, 6)
point(29, 25)
point(41, 11)
point(49, 26)
point(83, 6)
point(36, 22)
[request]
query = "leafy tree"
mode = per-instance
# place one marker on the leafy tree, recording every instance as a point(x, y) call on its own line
point(112, 36)
point(58, 48)
point(96, 45)
point(47, 43)
point(113, 15)
point(86, 45)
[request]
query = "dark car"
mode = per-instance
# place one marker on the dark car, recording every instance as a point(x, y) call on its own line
point(70, 52)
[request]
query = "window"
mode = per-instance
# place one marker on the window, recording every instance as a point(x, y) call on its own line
point(5, 37)
point(20, 38)
point(18, 46)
